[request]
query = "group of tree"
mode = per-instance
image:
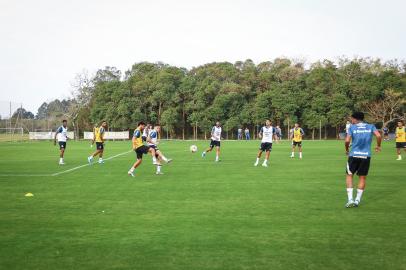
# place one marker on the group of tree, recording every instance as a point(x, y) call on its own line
point(186, 103)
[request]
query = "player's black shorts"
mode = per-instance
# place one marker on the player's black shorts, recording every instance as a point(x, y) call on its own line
point(144, 139)
point(156, 149)
point(141, 150)
point(358, 165)
point(214, 143)
point(297, 143)
point(99, 146)
point(62, 145)
point(401, 145)
point(266, 146)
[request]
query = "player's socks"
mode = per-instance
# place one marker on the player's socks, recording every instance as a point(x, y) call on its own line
point(131, 172)
point(158, 169)
point(359, 195)
point(61, 161)
point(292, 155)
point(217, 158)
point(300, 155)
point(256, 162)
point(265, 163)
point(349, 194)
point(154, 160)
point(399, 157)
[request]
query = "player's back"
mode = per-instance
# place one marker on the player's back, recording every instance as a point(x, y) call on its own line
point(361, 135)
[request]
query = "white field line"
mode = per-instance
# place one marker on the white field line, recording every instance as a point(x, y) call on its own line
point(84, 165)
point(59, 173)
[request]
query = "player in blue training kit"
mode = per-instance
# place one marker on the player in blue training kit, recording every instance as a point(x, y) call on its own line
point(359, 157)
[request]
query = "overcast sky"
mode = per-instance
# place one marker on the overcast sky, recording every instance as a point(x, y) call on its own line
point(45, 43)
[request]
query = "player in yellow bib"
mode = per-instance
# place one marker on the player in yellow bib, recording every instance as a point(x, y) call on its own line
point(296, 135)
point(140, 149)
point(98, 137)
point(400, 139)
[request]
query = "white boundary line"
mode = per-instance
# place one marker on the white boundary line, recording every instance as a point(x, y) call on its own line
point(62, 172)
point(84, 165)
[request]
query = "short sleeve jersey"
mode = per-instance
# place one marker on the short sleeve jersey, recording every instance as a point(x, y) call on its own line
point(361, 135)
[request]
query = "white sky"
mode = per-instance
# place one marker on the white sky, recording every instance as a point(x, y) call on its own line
point(44, 43)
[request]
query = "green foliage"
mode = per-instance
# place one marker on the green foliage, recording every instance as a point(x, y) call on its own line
point(239, 94)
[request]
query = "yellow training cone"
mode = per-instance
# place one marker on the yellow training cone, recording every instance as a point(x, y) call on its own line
point(29, 194)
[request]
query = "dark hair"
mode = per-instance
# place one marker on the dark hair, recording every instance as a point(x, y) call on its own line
point(358, 116)
point(141, 123)
point(64, 120)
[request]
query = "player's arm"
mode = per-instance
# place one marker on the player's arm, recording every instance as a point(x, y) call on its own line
point(347, 144)
point(378, 140)
point(56, 134)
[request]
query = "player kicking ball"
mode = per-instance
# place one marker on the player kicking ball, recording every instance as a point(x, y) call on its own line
point(215, 141)
point(359, 157)
point(400, 139)
point(267, 133)
point(98, 137)
point(139, 148)
point(296, 135)
point(62, 135)
point(152, 140)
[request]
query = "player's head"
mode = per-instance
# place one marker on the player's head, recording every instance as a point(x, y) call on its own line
point(348, 122)
point(157, 128)
point(268, 122)
point(400, 123)
point(104, 124)
point(141, 125)
point(217, 124)
point(357, 117)
point(64, 122)
point(297, 125)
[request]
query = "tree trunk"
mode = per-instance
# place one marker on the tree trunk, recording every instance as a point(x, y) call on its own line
point(184, 122)
point(313, 134)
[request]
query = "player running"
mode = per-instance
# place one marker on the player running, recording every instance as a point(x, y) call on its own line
point(62, 135)
point(98, 137)
point(359, 159)
point(140, 148)
point(267, 133)
point(400, 139)
point(152, 141)
point(296, 135)
point(215, 141)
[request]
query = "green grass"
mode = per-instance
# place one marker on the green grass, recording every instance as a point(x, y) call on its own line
point(199, 215)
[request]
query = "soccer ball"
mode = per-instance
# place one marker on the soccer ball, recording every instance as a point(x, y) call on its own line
point(193, 148)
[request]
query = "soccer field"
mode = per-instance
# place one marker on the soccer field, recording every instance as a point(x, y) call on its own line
point(199, 214)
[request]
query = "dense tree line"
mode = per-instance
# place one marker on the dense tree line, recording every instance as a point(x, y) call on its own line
point(187, 102)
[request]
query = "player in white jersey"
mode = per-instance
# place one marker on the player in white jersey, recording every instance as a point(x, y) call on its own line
point(215, 141)
point(267, 134)
point(62, 135)
point(146, 131)
point(152, 140)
